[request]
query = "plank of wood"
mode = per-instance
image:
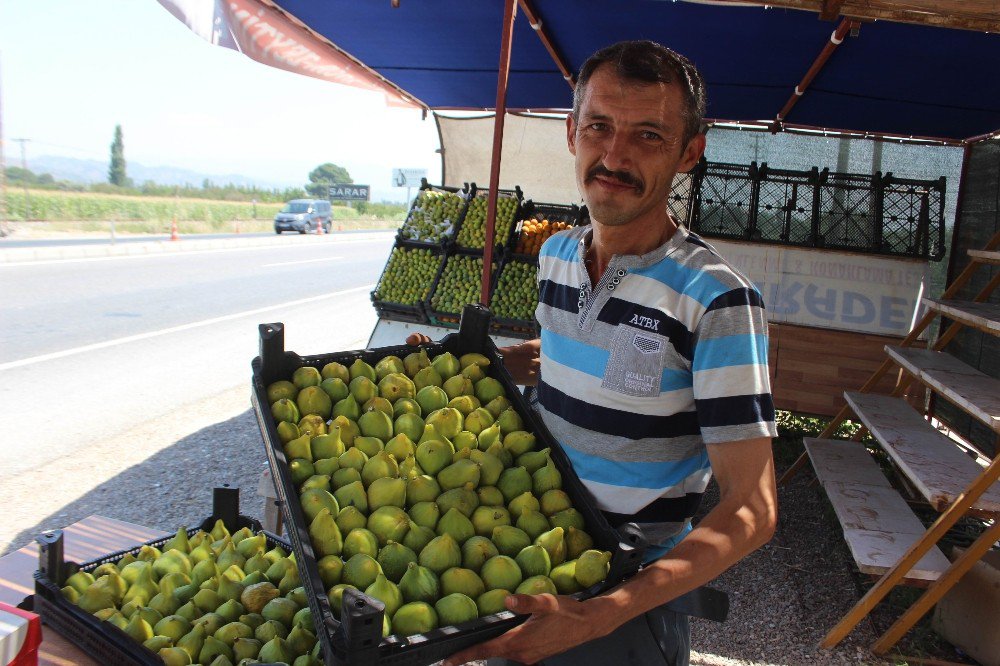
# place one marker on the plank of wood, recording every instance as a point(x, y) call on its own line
point(985, 256)
point(981, 316)
point(935, 464)
point(878, 524)
point(965, 386)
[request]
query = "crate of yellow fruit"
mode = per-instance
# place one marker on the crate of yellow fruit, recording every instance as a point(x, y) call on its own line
point(539, 221)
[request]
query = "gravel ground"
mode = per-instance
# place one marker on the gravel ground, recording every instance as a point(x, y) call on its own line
point(783, 598)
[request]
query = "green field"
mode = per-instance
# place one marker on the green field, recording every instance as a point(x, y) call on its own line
point(88, 211)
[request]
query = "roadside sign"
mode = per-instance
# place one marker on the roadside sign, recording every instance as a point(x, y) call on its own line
point(350, 192)
point(407, 177)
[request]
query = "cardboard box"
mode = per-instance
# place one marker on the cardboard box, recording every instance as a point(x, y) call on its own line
point(20, 636)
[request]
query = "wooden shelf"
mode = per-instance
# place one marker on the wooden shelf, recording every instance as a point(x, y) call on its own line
point(976, 393)
point(981, 316)
point(938, 468)
point(985, 256)
point(878, 524)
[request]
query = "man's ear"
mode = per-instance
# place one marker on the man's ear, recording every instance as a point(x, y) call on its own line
point(693, 151)
point(571, 134)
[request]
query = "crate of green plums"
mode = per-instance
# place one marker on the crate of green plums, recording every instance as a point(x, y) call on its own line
point(225, 592)
point(420, 491)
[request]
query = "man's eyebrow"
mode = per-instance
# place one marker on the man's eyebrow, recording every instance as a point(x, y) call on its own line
point(653, 124)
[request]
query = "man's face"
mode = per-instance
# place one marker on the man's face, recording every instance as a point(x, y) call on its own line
point(629, 144)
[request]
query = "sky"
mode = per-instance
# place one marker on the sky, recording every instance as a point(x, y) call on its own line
point(70, 70)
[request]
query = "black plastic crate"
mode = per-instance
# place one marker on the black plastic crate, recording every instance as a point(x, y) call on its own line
point(104, 642)
point(571, 214)
point(410, 313)
point(726, 200)
point(445, 318)
point(358, 638)
point(477, 193)
point(509, 327)
point(786, 205)
point(449, 238)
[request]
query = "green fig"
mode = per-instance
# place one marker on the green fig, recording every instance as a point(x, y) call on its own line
point(316, 481)
point(518, 442)
point(173, 627)
point(447, 421)
point(473, 358)
point(419, 584)
point(143, 589)
point(287, 431)
point(490, 467)
point(418, 537)
point(299, 448)
point(325, 466)
point(431, 397)
point(465, 404)
point(360, 571)
point(189, 612)
point(592, 567)
point(546, 478)
point(303, 618)
point(509, 540)
point(207, 600)
point(464, 499)
point(285, 410)
point(490, 496)
point(350, 518)
point(492, 601)
point(314, 500)
point(228, 633)
point(178, 542)
point(513, 482)
point(336, 596)
point(409, 468)
point(510, 421)
point(269, 630)
point(476, 551)
point(474, 373)
point(386, 591)
point(409, 424)
point(281, 389)
point(275, 651)
point(534, 561)
point(138, 629)
point(459, 473)
point(426, 514)
point(345, 476)
point(489, 436)
point(446, 364)
point(486, 518)
point(396, 386)
point(359, 541)
point(422, 488)
point(174, 656)
point(306, 376)
point(330, 568)
point(376, 423)
point(394, 558)
point(312, 425)
point(252, 620)
point(455, 609)
point(456, 524)
point(325, 535)
point(406, 406)
point(348, 408)
point(164, 604)
point(389, 365)
point(566, 519)
point(533, 523)
point(335, 387)
point(353, 457)
point(280, 610)
point(400, 446)
point(433, 456)
point(314, 400)
point(564, 578)
point(533, 460)
point(338, 370)
point(348, 429)
point(415, 362)
point(386, 490)
point(416, 617)
point(523, 502)
point(553, 501)
point(353, 494)
point(388, 523)
point(457, 386)
point(329, 445)
point(300, 640)
point(361, 369)
point(362, 389)
point(246, 648)
point(553, 542)
point(460, 580)
point(501, 572)
point(536, 585)
point(465, 440)
point(442, 553)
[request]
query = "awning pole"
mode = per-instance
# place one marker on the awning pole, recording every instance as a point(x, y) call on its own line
point(510, 9)
point(835, 39)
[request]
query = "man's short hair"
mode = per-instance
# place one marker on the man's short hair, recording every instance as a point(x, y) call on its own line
point(646, 61)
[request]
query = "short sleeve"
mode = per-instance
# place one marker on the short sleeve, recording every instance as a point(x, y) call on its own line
point(732, 390)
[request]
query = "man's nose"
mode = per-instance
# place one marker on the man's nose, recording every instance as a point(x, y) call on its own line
point(617, 155)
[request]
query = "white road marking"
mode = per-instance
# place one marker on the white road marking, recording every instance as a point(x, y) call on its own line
point(301, 261)
point(175, 329)
point(378, 238)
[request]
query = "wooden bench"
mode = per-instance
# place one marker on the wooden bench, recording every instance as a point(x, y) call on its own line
point(878, 524)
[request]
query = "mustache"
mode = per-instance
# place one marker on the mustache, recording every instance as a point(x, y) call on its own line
point(621, 176)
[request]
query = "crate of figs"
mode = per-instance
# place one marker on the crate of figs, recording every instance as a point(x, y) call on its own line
point(420, 491)
point(406, 282)
point(459, 283)
point(472, 234)
point(434, 216)
point(225, 592)
point(515, 298)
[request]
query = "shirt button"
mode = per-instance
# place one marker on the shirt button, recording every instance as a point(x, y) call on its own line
point(621, 273)
point(615, 280)
point(611, 287)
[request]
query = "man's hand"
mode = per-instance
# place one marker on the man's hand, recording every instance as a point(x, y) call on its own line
point(557, 623)
point(522, 361)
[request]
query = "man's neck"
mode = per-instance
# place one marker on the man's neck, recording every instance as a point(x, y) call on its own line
point(635, 238)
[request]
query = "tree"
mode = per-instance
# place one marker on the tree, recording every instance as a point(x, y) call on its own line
point(116, 172)
point(325, 175)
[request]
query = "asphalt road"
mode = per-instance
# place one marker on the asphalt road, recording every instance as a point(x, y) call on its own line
point(90, 348)
point(141, 238)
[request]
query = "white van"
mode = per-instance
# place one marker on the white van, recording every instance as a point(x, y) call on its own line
point(302, 215)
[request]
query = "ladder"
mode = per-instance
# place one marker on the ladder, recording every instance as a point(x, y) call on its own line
point(885, 538)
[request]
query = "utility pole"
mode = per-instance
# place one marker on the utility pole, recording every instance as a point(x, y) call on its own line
point(24, 165)
point(4, 231)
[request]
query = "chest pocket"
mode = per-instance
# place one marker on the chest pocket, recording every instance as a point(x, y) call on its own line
point(636, 362)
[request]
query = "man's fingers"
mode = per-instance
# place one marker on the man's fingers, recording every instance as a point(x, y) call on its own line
point(532, 603)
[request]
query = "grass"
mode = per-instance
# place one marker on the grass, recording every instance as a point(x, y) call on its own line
point(94, 212)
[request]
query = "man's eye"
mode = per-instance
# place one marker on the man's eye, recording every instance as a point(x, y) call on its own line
point(598, 127)
point(651, 136)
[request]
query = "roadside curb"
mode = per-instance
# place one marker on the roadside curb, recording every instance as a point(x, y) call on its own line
point(166, 246)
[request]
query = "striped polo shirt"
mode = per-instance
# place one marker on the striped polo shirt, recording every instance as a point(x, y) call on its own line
point(666, 353)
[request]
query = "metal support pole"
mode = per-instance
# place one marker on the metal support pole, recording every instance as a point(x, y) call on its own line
point(24, 165)
point(503, 73)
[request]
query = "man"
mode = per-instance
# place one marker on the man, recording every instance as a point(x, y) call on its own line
point(651, 370)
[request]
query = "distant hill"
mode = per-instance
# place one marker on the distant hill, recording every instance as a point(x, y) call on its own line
point(95, 171)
